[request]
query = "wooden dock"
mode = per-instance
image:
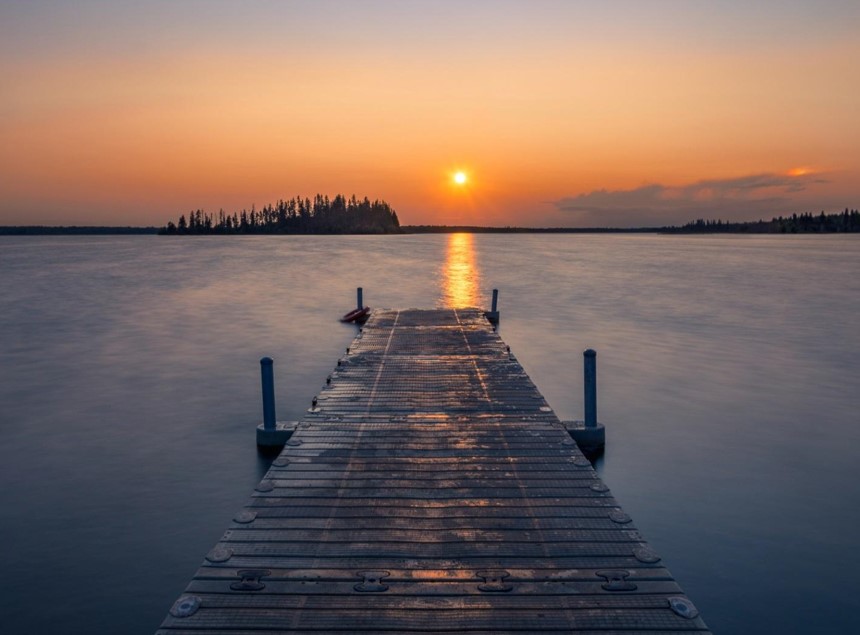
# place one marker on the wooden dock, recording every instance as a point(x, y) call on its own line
point(431, 490)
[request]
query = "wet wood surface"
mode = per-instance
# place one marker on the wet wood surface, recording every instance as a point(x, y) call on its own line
point(431, 490)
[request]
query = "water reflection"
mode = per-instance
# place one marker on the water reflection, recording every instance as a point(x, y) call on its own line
point(461, 279)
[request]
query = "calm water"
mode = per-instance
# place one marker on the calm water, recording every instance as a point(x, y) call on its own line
point(728, 381)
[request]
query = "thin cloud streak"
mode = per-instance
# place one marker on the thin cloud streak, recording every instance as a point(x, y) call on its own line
point(741, 198)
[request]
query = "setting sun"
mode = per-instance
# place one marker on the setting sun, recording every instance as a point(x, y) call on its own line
point(460, 178)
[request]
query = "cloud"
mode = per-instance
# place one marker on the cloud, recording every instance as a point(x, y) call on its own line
point(742, 198)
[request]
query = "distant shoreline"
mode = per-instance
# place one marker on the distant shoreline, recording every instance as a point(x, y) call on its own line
point(474, 229)
point(72, 230)
point(838, 223)
point(15, 230)
point(81, 230)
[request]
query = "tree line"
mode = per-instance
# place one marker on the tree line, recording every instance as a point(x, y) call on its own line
point(74, 230)
point(840, 222)
point(297, 215)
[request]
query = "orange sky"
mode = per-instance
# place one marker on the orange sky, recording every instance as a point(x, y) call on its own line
point(560, 116)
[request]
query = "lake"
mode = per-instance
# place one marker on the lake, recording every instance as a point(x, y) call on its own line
point(729, 383)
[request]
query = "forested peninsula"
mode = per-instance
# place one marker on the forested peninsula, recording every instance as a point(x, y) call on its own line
point(297, 215)
point(847, 221)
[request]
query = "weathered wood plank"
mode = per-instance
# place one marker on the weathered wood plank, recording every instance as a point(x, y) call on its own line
point(437, 537)
point(420, 505)
point(414, 595)
point(445, 550)
point(394, 618)
point(475, 523)
point(471, 562)
point(228, 570)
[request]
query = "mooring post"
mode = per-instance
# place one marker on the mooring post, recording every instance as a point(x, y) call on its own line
point(271, 435)
point(359, 292)
point(493, 314)
point(267, 375)
point(589, 435)
point(590, 374)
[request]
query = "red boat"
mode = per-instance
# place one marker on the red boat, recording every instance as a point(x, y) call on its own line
point(356, 315)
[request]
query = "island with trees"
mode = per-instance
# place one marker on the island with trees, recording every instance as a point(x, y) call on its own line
point(322, 215)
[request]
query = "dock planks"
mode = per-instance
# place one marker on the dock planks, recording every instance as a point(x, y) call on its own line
point(431, 490)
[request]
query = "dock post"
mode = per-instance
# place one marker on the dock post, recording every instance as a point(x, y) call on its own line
point(271, 435)
point(590, 381)
point(589, 435)
point(267, 375)
point(359, 293)
point(493, 314)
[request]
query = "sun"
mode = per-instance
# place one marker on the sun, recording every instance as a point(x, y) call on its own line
point(460, 178)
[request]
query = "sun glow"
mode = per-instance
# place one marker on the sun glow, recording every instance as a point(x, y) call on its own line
point(802, 171)
point(460, 178)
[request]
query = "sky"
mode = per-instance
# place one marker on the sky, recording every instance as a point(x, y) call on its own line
point(559, 113)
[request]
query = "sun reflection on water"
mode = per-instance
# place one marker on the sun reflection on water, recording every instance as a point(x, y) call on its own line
point(461, 278)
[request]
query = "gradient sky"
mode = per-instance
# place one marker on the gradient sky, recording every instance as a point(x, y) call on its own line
point(562, 113)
